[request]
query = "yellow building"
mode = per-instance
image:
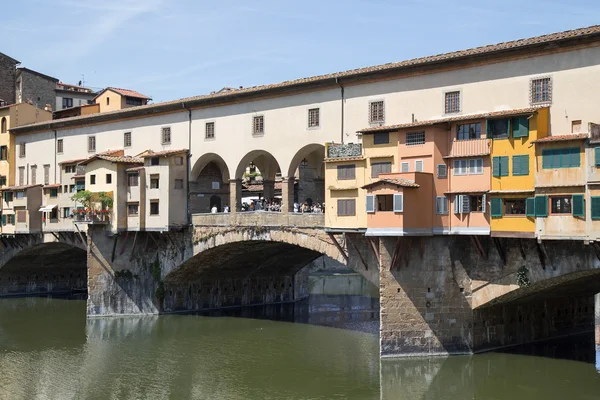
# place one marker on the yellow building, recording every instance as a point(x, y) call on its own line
point(112, 99)
point(13, 116)
point(513, 171)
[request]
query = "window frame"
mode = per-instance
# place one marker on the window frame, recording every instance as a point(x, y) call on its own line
point(437, 170)
point(314, 118)
point(127, 139)
point(387, 200)
point(441, 210)
point(152, 202)
point(154, 179)
point(508, 201)
point(91, 144)
point(457, 102)
point(468, 132)
point(59, 146)
point(491, 135)
point(532, 92)
point(165, 135)
point(130, 179)
point(137, 206)
point(346, 202)
point(380, 163)
point(108, 179)
point(563, 197)
point(154, 159)
point(405, 164)
point(343, 172)
point(422, 162)
point(416, 135)
point(209, 130)
point(92, 179)
point(381, 138)
point(22, 150)
point(258, 121)
point(380, 111)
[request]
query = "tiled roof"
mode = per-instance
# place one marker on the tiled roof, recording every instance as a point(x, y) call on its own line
point(521, 44)
point(399, 182)
point(560, 138)
point(114, 159)
point(491, 114)
point(511, 191)
point(77, 176)
point(165, 153)
point(336, 159)
point(22, 187)
point(52, 186)
point(133, 169)
point(75, 161)
point(467, 191)
point(125, 92)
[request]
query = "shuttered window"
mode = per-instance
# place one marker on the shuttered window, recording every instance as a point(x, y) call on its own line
point(370, 203)
point(462, 204)
point(46, 174)
point(496, 207)
point(376, 112)
point(597, 156)
point(380, 168)
point(520, 127)
point(419, 166)
point(441, 205)
point(442, 171)
point(21, 216)
point(381, 138)
point(578, 205)
point(345, 172)
point(561, 158)
point(595, 207)
point(398, 203)
point(520, 165)
point(530, 207)
point(133, 179)
point(34, 174)
point(541, 206)
point(500, 166)
point(498, 128)
point(405, 167)
point(91, 144)
point(346, 207)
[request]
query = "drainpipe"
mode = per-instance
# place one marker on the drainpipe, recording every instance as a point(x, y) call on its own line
point(342, 93)
point(189, 171)
point(55, 149)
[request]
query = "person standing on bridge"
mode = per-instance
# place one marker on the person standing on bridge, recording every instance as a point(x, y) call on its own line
point(213, 210)
point(226, 209)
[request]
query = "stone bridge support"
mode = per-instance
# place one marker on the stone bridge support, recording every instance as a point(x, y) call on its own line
point(597, 318)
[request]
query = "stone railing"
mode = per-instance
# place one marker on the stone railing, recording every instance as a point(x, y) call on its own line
point(260, 218)
point(344, 150)
point(471, 147)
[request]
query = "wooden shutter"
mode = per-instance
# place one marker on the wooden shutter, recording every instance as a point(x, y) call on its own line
point(442, 170)
point(595, 207)
point(465, 204)
point(574, 157)
point(419, 166)
point(504, 166)
point(456, 203)
point(597, 156)
point(546, 159)
point(3, 219)
point(405, 167)
point(21, 216)
point(530, 207)
point(441, 205)
point(520, 127)
point(370, 203)
point(386, 168)
point(375, 170)
point(578, 205)
point(496, 166)
point(541, 206)
point(496, 207)
point(483, 203)
point(398, 203)
point(488, 130)
point(525, 164)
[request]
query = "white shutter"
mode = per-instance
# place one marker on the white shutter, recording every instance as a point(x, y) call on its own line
point(465, 203)
point(370, 203)
point(442, 171)
point(398, 203)
point(441, 205)
point(483, 199)
point(456, 203)
point(419, 165)
point(405, 167)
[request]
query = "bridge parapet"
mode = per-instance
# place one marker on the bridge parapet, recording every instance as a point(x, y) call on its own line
point(260, 218)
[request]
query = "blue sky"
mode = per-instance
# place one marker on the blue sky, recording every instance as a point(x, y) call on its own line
point(169, 49)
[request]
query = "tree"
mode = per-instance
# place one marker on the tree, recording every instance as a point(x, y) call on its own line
point(106, 200)
point(84, 197)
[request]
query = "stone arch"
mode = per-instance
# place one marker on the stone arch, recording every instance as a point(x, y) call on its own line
point(208, 158)
point(265, 161)
point(314, 153)
point(209, 178)
point(308, 168)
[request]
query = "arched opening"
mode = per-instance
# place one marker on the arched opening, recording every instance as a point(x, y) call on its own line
point(3, 126)
point(215, 203)
point(209, 184)
point(308, 169)
point(260, 183)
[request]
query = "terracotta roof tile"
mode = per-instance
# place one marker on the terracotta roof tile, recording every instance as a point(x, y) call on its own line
point(124, 92)
point(165, 153)
point(75, 161)
point(560, 138)
point(114, 159)
point(134, 169)
point(354, 73)
point(22, 187)
point(399, 182)
point(336, 159)
point(52, 186)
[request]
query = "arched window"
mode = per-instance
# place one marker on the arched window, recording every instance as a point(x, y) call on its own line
point(3, 125)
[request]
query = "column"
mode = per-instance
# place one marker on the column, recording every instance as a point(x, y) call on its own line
point(235, 195)
point(287, 195)
point(268, 189)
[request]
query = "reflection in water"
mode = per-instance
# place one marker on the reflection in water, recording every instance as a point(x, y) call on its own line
point(48, 350)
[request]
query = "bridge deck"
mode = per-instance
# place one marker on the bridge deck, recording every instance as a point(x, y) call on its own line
point(260, 218)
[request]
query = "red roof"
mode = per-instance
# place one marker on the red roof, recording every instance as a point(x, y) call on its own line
point(125, 92)
point(560, 138)
point(52, 186)
point(75, 161)
point(114, 159)
point(398, 182)
point(165, 153)
point(24, 187)
point(133, 169)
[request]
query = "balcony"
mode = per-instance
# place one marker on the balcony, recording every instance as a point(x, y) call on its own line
point(349, 150)
point(468, 148)
point(94, 217)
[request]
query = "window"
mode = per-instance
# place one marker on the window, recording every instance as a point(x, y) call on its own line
point(53, 193)
point(133, 101)
point(69, 169)
point(452, 103)
point(133, 179)
point(477, 203)
point(578, 205)
point(520, 127)
point(520, 165)
point(66, 212)
point(178, 160)
point(134, 209)
point(127, 139)
point(595, 207)
point(108, 101)
point(346, 208)
point(59, 146)
point(405, 167)
point(441, 205)
point(381, 138)
point(92, 179)
point(514, 206)
point(108, 178)
point(468, 131)
point(500, 166)
point(154, 181)
point(385, 202)
point(576, 126)
point(91, 144)
point(345, 172)
point(153, 207)
point(3, 127)
point(418, 165)
point(178, 184)
point(380, 168)
point(473, 166)
point(560, 204)
point(20, 195)
point(370, 203)
point(2, 180)
point(561, 158)
point(154, 161)
point(67, 102)
point(80, 185)
point(166, 135)
point(462, 204)
point(258, 125)
point(313, 118)
point(497, 128)
point(209, 130)
point(21, 176)
point(46, 174)
point(376, 112)
point(22, 149)
point(71, 189)
point(216, 185)
point(442, 171)
point(34, 174)
point(8, 197)
point(415, 138)
point(540, 91)
point(4, 153)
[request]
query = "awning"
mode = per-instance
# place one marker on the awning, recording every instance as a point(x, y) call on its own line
point(48, 208)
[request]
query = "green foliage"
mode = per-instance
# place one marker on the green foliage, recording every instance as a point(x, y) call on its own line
point(156, 272)
point(523, 277)
point(106, 200)
point(83, 197)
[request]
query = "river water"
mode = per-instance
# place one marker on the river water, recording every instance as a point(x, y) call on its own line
point(324, 348)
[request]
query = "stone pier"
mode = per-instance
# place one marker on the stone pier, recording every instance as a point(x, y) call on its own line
point(597, 318)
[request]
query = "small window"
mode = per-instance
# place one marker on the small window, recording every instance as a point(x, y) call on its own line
point(133, 179)
point(380, 168)
point(452, 102)
point(53, 193)
point(313, 118)
point(178, 160)
point(514, 206)
point(385, 202)
point(166, 135)
point(381, 138)
point(8, 197)
point(520, 165)
point(92, 179)
point(405, 166)
point(46, 174)
point(154, 161)
point(561, 158)
point(418, 165)
point(154, 179)
point(127, 139)
point(215, 185)
point(415, 138)
point(576, 126)
point(3, 153)
point(2, 180)
point(67, 102)
point(3, 127)
point(346, 172)
point(477, 203)
point(475, 166)
point(154, 207)
point(442, 171)
point(20, 195)
point(59, 146)
point(71, 188)
point(346, 207)
point(468, 131)
point(108, 178)
point(178, 184)
point(21, 176)
point(133, 101)
point(209, 130)
point(34, 174)
point(497, 128)
point(108, 101)
point(258, 125)
point(22, 149)
point(441, 205)
point(376, 112)
point(541, 91)
point(66, 212)
point(500, 166)
point(459, 167)
point(133, 209)
point(560, 204)
point(91, 144)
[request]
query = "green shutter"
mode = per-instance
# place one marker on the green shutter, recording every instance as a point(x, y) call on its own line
point(504, 166)
point(525, 164)
point(520, 127)
point(578, 205)
point(496, 207)
point(574, 157)
point(3, 219)
point(597, 156)
point(541, 206)
point(595, 207)
point(496, 166)
point(530, 207)
point(546, 159)
point(521, 165)
point(488, 130)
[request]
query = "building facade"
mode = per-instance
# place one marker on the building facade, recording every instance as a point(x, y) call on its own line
point(35, 88)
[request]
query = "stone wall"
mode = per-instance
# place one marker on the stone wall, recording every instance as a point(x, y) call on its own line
point(37, 89)
point(7, 79)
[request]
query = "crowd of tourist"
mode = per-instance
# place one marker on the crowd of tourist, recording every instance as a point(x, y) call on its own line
point(275, 205)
